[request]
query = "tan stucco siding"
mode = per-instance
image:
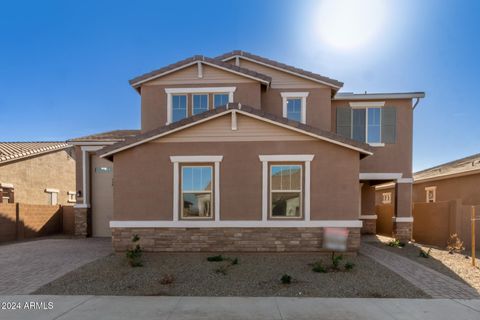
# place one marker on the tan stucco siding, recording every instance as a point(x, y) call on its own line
point(154, 100)
point(318, 105)
point(465, 188)
point(143, 179)
point(32, 176)
point(247, 129)
point(391, 158)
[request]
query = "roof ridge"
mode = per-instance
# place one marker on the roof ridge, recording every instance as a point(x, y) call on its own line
point(158, 72)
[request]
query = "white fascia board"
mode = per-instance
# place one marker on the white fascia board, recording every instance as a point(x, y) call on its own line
point(200, 90)
point(284, 70)
point(196, 159)
point(236, 224)
point(286, 157)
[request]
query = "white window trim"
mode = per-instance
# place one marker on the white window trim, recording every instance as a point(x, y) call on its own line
point(265, 159)
point(237, 224)
point(301, 95)
point(185, 91)
point(271, 191)
point(6, 185)
point(199, 94)
point(365, 106)
point(434, 189)
point(50, 190)
point(176, 181)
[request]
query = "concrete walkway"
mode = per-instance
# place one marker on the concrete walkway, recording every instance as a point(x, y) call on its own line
point(26, 266)
point(118, 308)
point(433, 283)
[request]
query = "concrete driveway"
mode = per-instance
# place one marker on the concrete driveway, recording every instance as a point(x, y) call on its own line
point(262, 308)
point(26, 266)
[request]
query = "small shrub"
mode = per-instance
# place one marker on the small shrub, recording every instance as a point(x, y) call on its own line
point(318, 267)
point(336, 261)
point(454, 244)
point(349, 265)
point(234, 261)
point(286, 279)
point(396, 244)
point(134, 255)
point(222, 270)
point(424, 254)
point(167, 279)
point(215, 258)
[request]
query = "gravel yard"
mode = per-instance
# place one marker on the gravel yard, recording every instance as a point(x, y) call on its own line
point(456, 266)
point(254, 275)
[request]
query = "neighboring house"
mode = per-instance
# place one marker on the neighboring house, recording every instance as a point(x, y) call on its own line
point(240, 152)
point(459, 179)
point(37, 173)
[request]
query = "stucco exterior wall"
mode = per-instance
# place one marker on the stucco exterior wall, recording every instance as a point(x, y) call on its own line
point(143, 179)
point(465, 188)
point(391, 158)
point(32, 176)
point(154, 99)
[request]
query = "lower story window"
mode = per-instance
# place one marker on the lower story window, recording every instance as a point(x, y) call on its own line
point(53, 196)
point(286, 191)
point(196, 191)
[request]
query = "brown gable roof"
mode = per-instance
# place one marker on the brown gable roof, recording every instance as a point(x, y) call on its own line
point(109, 136)
point(363, 148)
point(470, 164)
point(230, 55)
point(135, 82)
point(13, 151)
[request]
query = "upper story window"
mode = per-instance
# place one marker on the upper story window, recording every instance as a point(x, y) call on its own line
point(179, 107)
point(366, 125)
point(199, 103)
point(286, 191)
point(220, 99)
point(369, 122)
point(295, 106)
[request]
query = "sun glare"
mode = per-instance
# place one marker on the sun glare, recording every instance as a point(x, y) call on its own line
point(350, 24)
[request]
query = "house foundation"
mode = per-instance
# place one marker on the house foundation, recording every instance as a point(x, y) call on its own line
point(228, 239)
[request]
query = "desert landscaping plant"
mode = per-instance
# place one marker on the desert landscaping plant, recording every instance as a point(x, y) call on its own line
point(349, 266)
point(134, 255)
point(454, 244)
point(215, 258)
point(286, 279)
point(318, 267)
point(396, 244)
point(424, 254)
point(167, 279)
point(336, 261)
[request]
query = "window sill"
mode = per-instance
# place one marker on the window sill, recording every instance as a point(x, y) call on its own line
point(376, 144)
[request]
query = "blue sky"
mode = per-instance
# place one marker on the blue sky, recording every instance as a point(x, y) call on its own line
point(65, 65)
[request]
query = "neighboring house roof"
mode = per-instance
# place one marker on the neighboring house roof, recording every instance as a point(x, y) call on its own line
point(363, 96)
point(363, 148)
point(460, 167)
point(281, 66)
point(109, 136)
point(137, 81)
point(13, 151)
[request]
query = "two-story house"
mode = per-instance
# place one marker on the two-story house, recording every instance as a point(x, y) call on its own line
point(242, 153)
